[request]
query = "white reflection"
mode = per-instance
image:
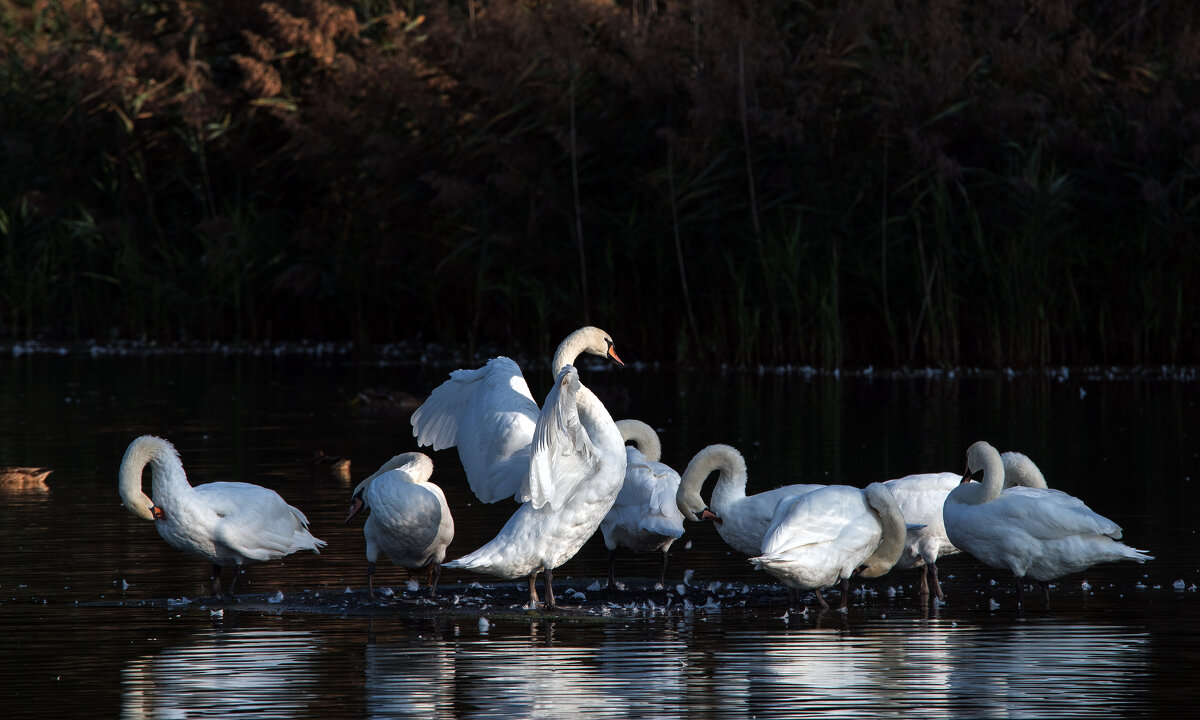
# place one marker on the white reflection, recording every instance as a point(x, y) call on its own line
point(935, 670)
point(410, 681)
point(262, 673)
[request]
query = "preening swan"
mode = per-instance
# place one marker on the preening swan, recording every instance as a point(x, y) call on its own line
point(410, 521)
point(741, 520)
point(921, 498)
point(577, 466)
point(489, 415)
point(645, 516)
point(824, 536)
point(1040, 533)
point(226, 523)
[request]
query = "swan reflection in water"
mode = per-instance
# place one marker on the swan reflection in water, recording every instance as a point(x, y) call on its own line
point(262, 673)
point(938, 670)
point(526, 676)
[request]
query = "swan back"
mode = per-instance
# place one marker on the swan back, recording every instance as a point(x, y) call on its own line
point(643, 436)
point(724, 458)
point(417, 467)
point(591, 340)
point(1020, 470)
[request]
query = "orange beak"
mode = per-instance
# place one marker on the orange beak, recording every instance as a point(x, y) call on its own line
point(158, 512)
point(355, 508)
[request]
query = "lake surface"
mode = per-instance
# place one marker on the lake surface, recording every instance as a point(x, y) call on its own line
point(99, 615)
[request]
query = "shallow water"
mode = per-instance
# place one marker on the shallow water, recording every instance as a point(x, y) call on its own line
point(84, 585)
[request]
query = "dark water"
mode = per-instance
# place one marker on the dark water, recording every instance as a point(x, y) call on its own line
point(1127, 645)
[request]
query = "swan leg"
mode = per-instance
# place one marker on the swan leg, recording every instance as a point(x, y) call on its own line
point(923, 587)
point(434, 573)
point(533, 596)
point(821, 599)
point(371, 580)
point(237, 573)
point(550, 589)
point(845, 594)
point(662, 572)
point(1045, 594)
point(612, 570)
point(937, 584)
point(215, 579)
point(1020, 592)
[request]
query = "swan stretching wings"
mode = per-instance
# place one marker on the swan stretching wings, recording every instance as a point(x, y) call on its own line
point(645, 516)
point(226, 523)
point(1035, 532)
point(576, 468)
point(410, 521)
point(489, 415)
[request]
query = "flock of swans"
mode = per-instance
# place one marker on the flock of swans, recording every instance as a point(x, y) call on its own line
point(568, 466)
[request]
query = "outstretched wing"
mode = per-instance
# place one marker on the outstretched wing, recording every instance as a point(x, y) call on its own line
point(562, 453)
point(489, 414)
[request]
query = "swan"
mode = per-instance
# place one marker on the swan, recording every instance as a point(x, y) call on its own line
point(921, 498)
point(645, 516)
point(576, 468)
point(489, 414)
point(410, 521)
point(24, 479)
point(1035, 532)
point(826, 535)
point(741, 520)
point(226, 523)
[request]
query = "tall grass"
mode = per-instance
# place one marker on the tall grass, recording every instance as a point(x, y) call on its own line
point(828, 183)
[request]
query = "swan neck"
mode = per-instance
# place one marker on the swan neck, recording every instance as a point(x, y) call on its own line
point(568, 351)
point(894, 530)
point(160, 455)
point(731, 483)
point(643, 437)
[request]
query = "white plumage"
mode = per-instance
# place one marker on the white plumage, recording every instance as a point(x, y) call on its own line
point(577, 466)
point(823, 537)
point(489, 415)
point(741, 520)
point(410, 521)
point(1035, 532)
point(226, 523)
point(645, 516)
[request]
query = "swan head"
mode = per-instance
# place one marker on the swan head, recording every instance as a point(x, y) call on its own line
point(162, 457)
point(416, 467)
point(591, 340)
point(976, 461)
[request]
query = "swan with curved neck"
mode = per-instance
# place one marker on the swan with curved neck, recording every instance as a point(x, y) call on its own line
point(921, 498)
point(645, 516)
point(410, 521)
point(226, 523)
point(741, 520)
point(1032, 532)
point(489, 414)
point(576, 469)
point(825, 536)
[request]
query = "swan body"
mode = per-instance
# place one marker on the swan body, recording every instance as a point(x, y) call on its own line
point(577, 466)
point(645, 516)
point(921, 498)
point(226, 523)
point(823, 537)
point(410, 521)
point(741, 520)
point(1035, 532)
point(490, 415)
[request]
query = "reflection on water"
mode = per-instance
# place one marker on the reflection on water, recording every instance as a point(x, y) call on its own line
point(262, 673)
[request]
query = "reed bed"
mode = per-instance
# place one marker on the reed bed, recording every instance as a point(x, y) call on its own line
point(850, 183)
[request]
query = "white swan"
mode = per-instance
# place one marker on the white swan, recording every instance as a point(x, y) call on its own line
point(577, 466)
point(645, 516)
point(489, 414)
point(410, 521)
point(921, 498)
point(1042, 533)
point(226, 523)
point(825, 536)
point(741, 520)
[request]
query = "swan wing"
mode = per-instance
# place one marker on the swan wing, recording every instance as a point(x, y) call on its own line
point(1050, 514)
point(562, 454)
point(647, 497)
point(821, 516)
point(490, 415)
point(255, 521)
